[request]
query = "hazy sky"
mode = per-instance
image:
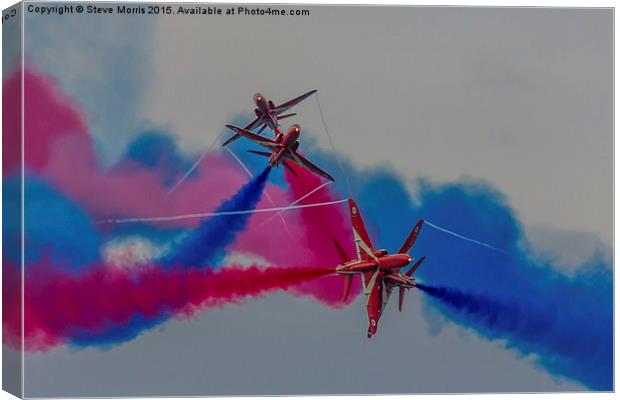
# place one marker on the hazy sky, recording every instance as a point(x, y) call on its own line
point(519, 97)
point(284, 345)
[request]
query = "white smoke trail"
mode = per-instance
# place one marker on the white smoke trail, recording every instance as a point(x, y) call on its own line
point(305, 196)
point(449, 232)
point(218, 214)
point(331, 142)
point(195, 165)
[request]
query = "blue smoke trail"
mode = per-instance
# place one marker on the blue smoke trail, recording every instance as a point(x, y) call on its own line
point(207, 244)
point(533, 325)
point(116, 334)
point(501, 317)
point(55, 227)
point(578, 344)
point(576, 312)
point(157, 151)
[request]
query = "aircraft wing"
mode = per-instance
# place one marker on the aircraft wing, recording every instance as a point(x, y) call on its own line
point(253, 124)
point(369, 280)
point(285, 106)
point(263, 141)
point(387, 292)
point(304, 162)
point(374, 299)
point(363, 245)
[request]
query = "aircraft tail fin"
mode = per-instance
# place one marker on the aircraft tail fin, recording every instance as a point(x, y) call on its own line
point(285, 116)
point(410, 240)
point(363, 245)
point(415, 267)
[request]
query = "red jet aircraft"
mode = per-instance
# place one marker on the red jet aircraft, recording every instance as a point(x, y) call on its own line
point(380, 271)
point(268, 114)
point(282, 150)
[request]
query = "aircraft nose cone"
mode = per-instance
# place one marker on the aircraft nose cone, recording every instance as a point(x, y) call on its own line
point(404, 259)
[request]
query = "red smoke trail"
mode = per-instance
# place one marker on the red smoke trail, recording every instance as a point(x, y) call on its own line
point(58, 304)
point(321, 225)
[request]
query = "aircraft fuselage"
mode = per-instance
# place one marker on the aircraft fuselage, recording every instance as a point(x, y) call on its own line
point(287, 141)
point(263, 111)
point(384, 263)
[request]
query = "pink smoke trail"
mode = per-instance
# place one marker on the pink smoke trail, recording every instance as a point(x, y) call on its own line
point(320, 226)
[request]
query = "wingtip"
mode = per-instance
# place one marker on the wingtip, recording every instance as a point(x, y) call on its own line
point(229, 140)
point(418, 226)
